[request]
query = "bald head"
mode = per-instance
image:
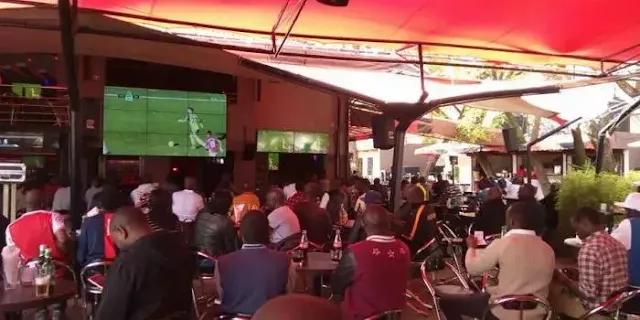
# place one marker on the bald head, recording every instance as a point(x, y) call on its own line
point(34, 199)
point(127, 225)
point(313, 191)
point(190, 183)
point(377, 220)
point(298, 307)
point(275, 198)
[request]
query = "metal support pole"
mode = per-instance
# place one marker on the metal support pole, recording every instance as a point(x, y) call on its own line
point(608, 129)
point(398, 155)
point(68, 52)
point(535, 141)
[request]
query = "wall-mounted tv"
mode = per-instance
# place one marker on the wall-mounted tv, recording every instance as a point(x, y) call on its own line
point(149, 122)
point(292, 142)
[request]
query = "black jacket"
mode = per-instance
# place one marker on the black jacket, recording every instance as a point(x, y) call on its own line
point(491, 217)
point(315, 220)
point(344, 274)
point(215, 234)
point(150, 279)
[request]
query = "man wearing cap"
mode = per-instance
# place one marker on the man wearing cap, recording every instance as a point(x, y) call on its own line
point(625, 231)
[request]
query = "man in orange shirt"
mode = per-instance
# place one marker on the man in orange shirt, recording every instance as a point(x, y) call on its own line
point(243, 203)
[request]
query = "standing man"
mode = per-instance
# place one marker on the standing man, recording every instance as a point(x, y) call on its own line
point(187, 203)
point(151, 277)
point(282, 220)
point(38, 226)
point(372, 275)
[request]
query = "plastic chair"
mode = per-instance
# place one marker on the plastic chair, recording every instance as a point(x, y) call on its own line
point(614, 304)
point(89, 289)
point(387, 315)
point(520, 303)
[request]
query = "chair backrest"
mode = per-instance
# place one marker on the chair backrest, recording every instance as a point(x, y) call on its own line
point(425, 270)
point(387, 315)
point(520, 303)
point(100, 267)
point(201, 255)
point(614, 304)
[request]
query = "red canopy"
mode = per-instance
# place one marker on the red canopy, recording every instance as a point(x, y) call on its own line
point(525, 31)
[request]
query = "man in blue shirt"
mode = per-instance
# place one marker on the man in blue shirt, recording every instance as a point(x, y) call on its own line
point(249, 277)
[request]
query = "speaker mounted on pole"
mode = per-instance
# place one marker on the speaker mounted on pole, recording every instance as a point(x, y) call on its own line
point(382, 128)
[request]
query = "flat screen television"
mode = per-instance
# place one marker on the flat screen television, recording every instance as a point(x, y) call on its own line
point(149, 122)
point(292, 142)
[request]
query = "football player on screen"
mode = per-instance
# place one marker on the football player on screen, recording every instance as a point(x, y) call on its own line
point(213, 144)
point(194, 124)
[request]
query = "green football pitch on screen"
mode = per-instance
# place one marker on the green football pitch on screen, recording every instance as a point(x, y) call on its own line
point(164, 123)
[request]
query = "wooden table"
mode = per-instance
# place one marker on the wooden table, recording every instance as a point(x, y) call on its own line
point(317, 265)
point(24, 297)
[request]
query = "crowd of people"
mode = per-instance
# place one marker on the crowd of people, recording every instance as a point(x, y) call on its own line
point(152, 232)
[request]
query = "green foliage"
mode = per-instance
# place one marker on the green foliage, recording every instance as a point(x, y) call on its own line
point(633, 175)
point(427, 141)
point(499, 121)
point(469, 127)
point(583, 188)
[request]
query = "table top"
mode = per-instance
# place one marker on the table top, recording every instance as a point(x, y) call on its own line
point(319, 262)
point(24, 297)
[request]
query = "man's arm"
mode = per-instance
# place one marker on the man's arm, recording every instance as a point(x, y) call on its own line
point(623, 233)
point(59, 231)
point(590, 275)
point(479, 262)
point(343, 276)
point(117, 293)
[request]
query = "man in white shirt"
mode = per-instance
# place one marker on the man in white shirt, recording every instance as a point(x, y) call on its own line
point(187, 203)
point(282, 220)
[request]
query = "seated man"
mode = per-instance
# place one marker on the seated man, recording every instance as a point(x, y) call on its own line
point(526, 267)
point(312, 218)
point(94, 242)
point(36, 227)
point(152, 276)
point(421, 224)
point(602, 268)
point(282, 220)
point(372, 275)
point(243, 203)
point(247, 278)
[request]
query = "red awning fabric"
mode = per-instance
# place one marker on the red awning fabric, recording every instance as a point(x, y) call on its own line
point(526, 31)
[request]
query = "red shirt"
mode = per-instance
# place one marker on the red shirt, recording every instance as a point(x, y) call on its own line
point(33, 229)
point(380, 280)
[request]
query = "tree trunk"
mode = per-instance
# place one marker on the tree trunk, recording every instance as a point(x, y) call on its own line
point(579, 149)
point(609, 162)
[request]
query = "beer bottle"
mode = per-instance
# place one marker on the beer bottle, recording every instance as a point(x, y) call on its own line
point(336, 250)
point(304, 243)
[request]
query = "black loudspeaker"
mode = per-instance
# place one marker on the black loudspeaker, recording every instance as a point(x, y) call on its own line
point(510, 137)
point(249, 152)
point(335, 3)
point(382, 132)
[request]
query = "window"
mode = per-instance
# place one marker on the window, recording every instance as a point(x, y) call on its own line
point(369, 166)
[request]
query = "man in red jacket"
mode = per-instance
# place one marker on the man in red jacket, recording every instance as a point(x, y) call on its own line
point(36, 227)
point(372, 276)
